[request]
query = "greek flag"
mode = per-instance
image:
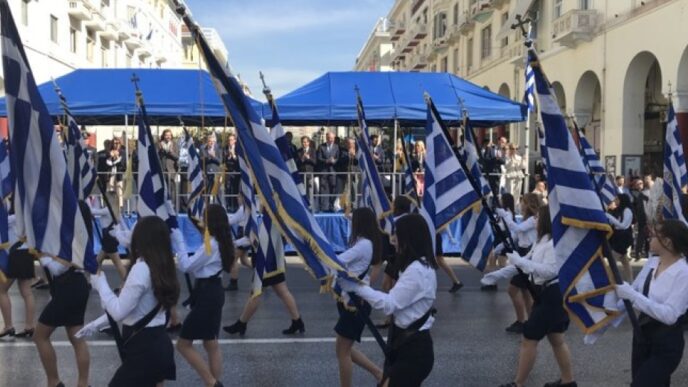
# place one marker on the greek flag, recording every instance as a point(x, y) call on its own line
point(675, 176)
point(278, 194)
point(448, 192)
point(46, 208)
point(410, 189)
point(579, 224)
point(373, 194)
point(194, 175)
point(80, 166)
point(6, 176)
point(279, 135)
point(529, 97)
point(476, 236)
point(601, 180)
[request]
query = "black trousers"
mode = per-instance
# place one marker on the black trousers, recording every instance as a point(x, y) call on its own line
point(411, 363)
point(657, 352)
point(328, 190)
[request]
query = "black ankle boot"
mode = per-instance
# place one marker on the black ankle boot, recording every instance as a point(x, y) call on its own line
point(238, 327)
point(296, 326)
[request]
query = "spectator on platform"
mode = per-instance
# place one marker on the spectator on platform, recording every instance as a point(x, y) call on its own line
point(211, 155)
point(541, 191)
point(418, 166)
point(378, 152)
point(514, 166)
point(169, 158)
point(232, 173)
point(641, 231)
point(101, 163)
point(327, 156)
point(621, 186)
point(346, 167)
point(183, 170)
point(492, 162)
point(117, 165)
point(292, 148)
point(306, 162)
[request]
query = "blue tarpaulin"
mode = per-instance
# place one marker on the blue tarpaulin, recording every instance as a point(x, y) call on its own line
point(105, 96)
point(331, 100)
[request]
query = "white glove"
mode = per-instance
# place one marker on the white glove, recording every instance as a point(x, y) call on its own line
point(514, 259)
point(626, 291)
point(45, 261)
point(92, 327)
point(170, 207)
point(242, 242)
point(501, 212)
point(178, 243)
point(122, 236)
point(489, 279)
point(98, 281)
point(347, 285)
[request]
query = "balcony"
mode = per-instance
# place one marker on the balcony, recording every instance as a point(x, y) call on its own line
point(143, 52)
point(574, 27)
point(466, 25)
point(419, 31)
point(159, 57)
point(80, 9)
point(134, 41)
point(110, 32)
point(514, 52)
point(480, 7)
point(420, 61)
point(498, 3)
point(440, 44)
point(124, 30)
point(97, 22)
point(398, 30)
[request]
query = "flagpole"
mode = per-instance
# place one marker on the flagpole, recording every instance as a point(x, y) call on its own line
point(606, 247)
point(394, 162)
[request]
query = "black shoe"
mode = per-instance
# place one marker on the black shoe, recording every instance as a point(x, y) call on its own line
point(456, 287)
point(516, 327)
point(512, 384)
point(296, 326)
point(233, 285)
point(488, 288)
point(558, 383)
point(238, 327)
point(60, 385)
point(38, 283)
point(218, 384)
point(8, 332)
point(174, 328)
point(25, 334)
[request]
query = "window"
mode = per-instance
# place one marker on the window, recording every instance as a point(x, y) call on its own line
point(455, 12)
point(73, 40)
point(25, 12)
point(444, 64)
point(53, 28)
point(455, 60)
point(584, 4)
point(439, 26)
point(505, 18)
point(557, 8)
point(469, 54)
point(90, 45)
point(486, 42)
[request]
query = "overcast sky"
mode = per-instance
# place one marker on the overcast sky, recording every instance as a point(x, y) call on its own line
point(292, 41)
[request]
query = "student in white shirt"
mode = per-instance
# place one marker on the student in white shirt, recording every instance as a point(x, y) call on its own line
point(660, 294)
point(240, 219)
point(208, 297)
point(548, 317)
point(620, 216)
point(150, 290)
point(364, 251)
point(497, 256)
point(409, 303)
point(109, 246)
point(525, 234)
point(69, 293)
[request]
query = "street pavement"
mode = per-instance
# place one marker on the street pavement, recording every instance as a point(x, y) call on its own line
point(471, 346)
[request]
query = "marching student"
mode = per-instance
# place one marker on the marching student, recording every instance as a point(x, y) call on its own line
point(208, 297)
point(660, 294)
point(409, 302)
point(239, 218)
point(548, 317)
point(525, 235)
point(109, 245)
point(69, 291)
point(364, 251)
point(497, 256)
point(150, 290)
point(20, 269)
point(620, 216)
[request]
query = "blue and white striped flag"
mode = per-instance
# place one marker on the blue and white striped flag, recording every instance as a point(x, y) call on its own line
point(6, 175)
point(529, 97)
point(410, 189)
point(603, 183)
point(194, 175)
point(80, 166)
point(476, 231)
point(278, 194)
point(46, 208)
point(448, 192)
point(373, 191)
point(675, 176)
point(279, 135)
point(579, 223)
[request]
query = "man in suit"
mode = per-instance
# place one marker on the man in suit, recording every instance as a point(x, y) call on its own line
point(232, 172)
point(378, 152)
point(306, 162)
point(211, 155)
point(327, 156)
point(169, 157)
point(346, 166)
point(492, 161)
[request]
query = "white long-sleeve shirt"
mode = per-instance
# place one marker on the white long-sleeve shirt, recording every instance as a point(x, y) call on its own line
point(626, 220)
point(54, 267)
point(135, 300)
point(667, 299)
point(410, 298)
point(525, 232)
point(239, 218)
point(358, 257)
point(544, 264)
point(200, 264)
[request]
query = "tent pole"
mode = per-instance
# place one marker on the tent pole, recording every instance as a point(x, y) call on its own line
point(526, 153)
point(394, 161)
point(126, 150)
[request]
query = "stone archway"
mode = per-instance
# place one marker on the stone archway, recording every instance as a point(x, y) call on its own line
point(504, 130)
point(587, 108)
point(681, 100)
point(643, 107)
point(561, 96)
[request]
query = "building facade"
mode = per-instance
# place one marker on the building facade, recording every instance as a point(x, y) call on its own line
point(612, 63)
point(376, 54)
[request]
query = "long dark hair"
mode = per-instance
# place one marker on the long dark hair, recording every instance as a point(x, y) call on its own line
point(150, 241)
point(544, 222)
point(401, 205)
point(530, 203)
point(508, 203)
point(677, 232)
point(624, 202)
point(364, 224)
point(414, 242)
point(218, 228)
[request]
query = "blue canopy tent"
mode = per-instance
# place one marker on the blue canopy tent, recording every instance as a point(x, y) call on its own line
point(389, 96)
point(106, 96)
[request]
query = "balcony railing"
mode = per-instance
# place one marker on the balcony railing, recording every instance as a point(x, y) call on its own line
point(97, 21)
point(80, 9)
point(513, 52)
point(574, 27)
